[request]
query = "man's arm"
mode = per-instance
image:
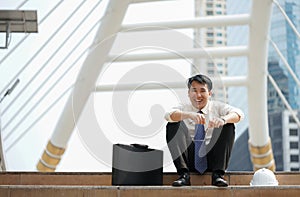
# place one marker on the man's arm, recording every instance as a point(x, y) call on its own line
point(232, 117)
point(180, 115)
point(217, 122)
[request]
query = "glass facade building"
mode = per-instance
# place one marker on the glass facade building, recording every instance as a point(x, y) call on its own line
point(288, 43)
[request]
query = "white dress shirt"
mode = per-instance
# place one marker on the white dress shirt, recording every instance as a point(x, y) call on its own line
point(211, 110)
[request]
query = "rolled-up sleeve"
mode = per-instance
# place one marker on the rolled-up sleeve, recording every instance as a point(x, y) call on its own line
point(239, 112)
point(169, 113)
point(180, 107)
point(230, 109)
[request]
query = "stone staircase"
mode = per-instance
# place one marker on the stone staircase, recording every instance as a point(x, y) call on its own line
point(33, 184)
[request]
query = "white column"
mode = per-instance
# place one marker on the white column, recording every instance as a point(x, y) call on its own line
point(257, 83)
point(257, 72)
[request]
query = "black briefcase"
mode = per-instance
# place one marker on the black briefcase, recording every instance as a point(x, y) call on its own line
point(136, 164)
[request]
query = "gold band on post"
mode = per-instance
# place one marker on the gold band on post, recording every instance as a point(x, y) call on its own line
point(260, 150)
point(50, 158)
point(42, 167)
point(263, 160)
point(271, 167)
point(54, 149)
point(262, 156)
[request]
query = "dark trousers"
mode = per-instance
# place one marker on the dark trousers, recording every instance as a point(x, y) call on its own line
point(181, 147)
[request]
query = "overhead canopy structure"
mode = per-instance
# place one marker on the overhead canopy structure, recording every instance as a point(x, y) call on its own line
point(73, 48)
point(256, 81)
point(17, 21)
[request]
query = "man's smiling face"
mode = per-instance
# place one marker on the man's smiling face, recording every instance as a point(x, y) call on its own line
point(199, 94)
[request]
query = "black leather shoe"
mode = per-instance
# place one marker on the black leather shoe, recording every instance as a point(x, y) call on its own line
point(184, 180)
point(218, 180)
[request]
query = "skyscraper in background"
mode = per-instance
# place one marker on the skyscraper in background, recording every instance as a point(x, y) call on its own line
point(211, 37)
point(288, 43)
point(275, 103)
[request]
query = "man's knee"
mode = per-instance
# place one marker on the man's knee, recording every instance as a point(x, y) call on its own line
point(175, 128)
point(229, 129)
point(171, 130)
point(172, 126)
point(230, 126)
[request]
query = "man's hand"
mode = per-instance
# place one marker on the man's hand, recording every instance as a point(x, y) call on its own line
point(216, 122)
point(197, 117)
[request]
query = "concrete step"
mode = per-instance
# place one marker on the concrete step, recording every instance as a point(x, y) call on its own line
point(99, 184)
point(104, 179)
point(146, 191)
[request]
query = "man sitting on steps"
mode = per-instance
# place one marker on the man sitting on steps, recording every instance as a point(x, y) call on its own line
point(185, 123)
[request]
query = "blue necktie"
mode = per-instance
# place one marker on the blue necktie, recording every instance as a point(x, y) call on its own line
point(200, 149)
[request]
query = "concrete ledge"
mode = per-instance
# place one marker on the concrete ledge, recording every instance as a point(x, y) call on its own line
point(104, 179)
point(146, 191)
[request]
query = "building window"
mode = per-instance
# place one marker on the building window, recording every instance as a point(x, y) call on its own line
point(211, 72)
point(209, 34)
point(219, 42)
point(209, 5)
point(294, 145)
point(220, 65)
point(219, 12)
point(294, 158)
point(210, 42)
point(293, 132)
point(209, 13)
point(211, 65)
point(294, 169)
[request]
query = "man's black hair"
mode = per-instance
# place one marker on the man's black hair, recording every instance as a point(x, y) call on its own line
point(202, 79)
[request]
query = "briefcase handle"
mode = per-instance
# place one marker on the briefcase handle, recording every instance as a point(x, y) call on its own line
point(140, 146)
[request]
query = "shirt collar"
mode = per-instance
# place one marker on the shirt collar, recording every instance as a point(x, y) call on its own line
point(205, 108)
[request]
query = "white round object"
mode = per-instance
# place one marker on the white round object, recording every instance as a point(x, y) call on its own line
point(264, 177)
